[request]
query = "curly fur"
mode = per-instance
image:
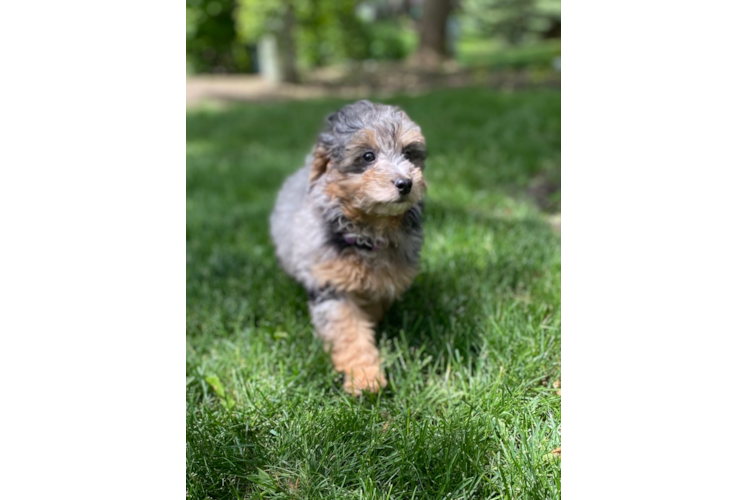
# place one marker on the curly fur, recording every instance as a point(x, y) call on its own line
point(343, 230)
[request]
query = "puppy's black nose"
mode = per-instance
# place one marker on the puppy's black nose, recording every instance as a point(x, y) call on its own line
point(403, 185)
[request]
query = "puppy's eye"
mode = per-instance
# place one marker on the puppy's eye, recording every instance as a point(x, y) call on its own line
point(369, 157)
point(407, 155)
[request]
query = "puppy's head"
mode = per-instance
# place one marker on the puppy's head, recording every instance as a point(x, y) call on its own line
point(371, 157)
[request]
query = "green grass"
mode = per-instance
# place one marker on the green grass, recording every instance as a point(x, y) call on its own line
point(471, 349)
point(497, 54)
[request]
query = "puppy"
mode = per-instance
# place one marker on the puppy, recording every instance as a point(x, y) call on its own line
point(347, 226)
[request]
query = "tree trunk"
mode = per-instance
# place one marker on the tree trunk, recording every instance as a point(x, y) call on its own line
point(432, 46)
point(287, 46)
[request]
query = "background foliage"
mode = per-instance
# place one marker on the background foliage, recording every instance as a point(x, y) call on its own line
point(213, 45)
point(514, 21)
point(222, 34)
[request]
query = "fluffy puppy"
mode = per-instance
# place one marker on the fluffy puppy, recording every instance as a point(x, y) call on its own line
point(347, 226)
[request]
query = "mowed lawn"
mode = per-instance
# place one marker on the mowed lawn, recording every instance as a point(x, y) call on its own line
point(471, 350)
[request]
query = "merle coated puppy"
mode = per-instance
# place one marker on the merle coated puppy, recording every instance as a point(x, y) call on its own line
point(347, 226)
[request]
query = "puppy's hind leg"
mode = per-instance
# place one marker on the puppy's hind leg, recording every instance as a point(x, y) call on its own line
point(348, 333)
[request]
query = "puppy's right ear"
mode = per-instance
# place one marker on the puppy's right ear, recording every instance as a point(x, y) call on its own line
point(320, 162)
point(322, 151)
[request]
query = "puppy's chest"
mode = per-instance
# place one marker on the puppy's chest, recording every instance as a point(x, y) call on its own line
point(379, 274)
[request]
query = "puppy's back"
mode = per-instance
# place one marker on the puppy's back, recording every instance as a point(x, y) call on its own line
point(282, 227)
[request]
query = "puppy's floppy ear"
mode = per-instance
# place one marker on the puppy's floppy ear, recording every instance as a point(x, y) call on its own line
point(323, 148)
point(339, 127)
point(320, 162)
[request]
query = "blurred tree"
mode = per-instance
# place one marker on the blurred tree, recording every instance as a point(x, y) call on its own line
point(256, 18)
point(389, 39)
point(515, 21)
point(330, 32)
point(212, 42)
point(308, 32)
point(432, 44)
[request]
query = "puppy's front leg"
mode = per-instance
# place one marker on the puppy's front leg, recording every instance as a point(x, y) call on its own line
point(349, 334)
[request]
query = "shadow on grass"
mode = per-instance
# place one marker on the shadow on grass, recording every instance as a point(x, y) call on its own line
point(446, 307)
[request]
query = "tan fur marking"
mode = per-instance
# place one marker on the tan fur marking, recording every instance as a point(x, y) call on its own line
point(349, 274)
point(380, 223)
point(384, 223)
point(377, 186)
point(319, 165)
point(360, 194)
point(410, 136)
point(352, 349)
point(362, 139)
point(419, 183)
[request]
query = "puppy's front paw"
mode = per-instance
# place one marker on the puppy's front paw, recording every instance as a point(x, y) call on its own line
point(364, 378)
